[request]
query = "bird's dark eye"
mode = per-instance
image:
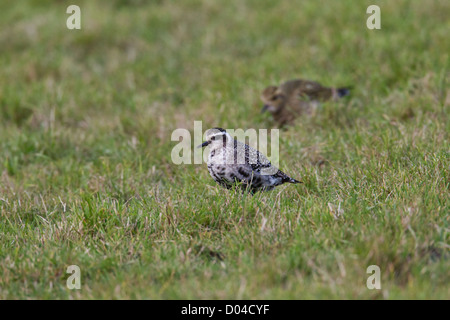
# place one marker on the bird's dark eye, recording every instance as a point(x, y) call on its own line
point(213, 138)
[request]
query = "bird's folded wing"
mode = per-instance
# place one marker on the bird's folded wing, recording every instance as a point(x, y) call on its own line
point(315, 91)
point(256, 159)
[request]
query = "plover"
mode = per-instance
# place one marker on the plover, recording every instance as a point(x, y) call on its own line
point(296, 97)
point(231, 162)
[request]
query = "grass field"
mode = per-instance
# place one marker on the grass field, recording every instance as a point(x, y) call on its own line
point(86, 176)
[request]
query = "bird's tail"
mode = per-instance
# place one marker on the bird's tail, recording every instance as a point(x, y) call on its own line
point(342, 92)
point(291, 180)
point(285, 178)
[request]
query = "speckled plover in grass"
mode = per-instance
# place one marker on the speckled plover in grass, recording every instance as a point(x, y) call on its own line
point(231, 162)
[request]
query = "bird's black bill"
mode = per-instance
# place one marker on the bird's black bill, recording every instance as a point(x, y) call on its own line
point(204, 144)
point(264, 108)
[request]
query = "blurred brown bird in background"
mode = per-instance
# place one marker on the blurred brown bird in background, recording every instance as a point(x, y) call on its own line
point(297, 97)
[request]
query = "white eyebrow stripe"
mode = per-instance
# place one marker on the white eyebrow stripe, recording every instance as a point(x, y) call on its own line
point(218, 134)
